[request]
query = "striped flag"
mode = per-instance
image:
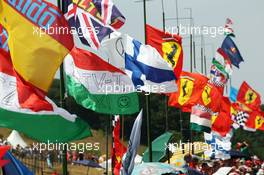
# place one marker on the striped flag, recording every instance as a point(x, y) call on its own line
point(228, 29)
point(36, 40)
point(97, 85)
point(201, 118)
point(147, 69)
point(222, 63)
point(93, 20)
point(26, 109)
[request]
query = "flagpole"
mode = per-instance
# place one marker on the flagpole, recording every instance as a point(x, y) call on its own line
point(147, 96)
point(112, 120)
point(202, 55)
point(165, 96)
point(205, 65)
point(62, 102)
point(106, 148)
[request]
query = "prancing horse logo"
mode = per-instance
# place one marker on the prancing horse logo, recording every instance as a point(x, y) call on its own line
point(171, 52)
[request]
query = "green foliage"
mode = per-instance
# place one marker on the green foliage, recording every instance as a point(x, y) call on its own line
point(254, 139)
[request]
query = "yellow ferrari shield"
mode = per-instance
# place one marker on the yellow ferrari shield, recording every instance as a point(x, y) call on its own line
point(206, 95)
point(186, 89)
point(250, 97)
point(259, 121)
point(171, 52)
point(214, 117)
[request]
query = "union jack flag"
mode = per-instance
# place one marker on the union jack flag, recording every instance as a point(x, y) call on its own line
point(3, 38)
point(93, 20)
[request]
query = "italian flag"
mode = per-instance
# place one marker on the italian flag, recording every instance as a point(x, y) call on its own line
point(97, 85)
point(26, 109)
point(201, 119)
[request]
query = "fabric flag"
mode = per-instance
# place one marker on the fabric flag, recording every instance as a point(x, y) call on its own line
point(3, 150)
point(233, 94)
point(26, 109)
point(228, 29)
point(3, 38)
point(230, 48)
point(207, 106)
point(218, 79)
point(93, 20)
point(113, 49)
point(240, 119)
point(211, 98)
point(222, 63)
point(190, 88)
point(256, 120)
point(222, 123)
point(133, 144)
point(249, 97)
point(99, 86)
point(39, 50)
point(147, 69)
point(15, 167)
point(168, 45)
point(220, 146)
point(118, 149)
point(201, 119)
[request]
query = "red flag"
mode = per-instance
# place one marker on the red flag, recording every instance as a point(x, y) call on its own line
point(222, 123)
point(118, 149)
point(3, 150)
point(211, 97)
point(256, 120)
point(248, 97)
point(190, 89)
point(168, 45)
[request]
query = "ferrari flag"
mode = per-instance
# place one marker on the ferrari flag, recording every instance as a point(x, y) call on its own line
point(249, 97)
point(168, 45)
point(190, 89)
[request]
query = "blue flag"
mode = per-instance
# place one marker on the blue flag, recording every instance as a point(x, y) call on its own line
point(147, 68)
point(15, 167)
point(133, 144)
point(233, 94)
point(230, 48)
point(220, 146)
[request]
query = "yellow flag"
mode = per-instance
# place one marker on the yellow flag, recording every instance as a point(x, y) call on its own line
point(39, 39)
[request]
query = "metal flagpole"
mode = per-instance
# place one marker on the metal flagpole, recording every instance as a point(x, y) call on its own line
point(62, 102)
point(111, 122)
point(107, 143)
point(165, 96)
point(205, 65)
point(194, 55)
point(202, 55)
point(147, 96)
